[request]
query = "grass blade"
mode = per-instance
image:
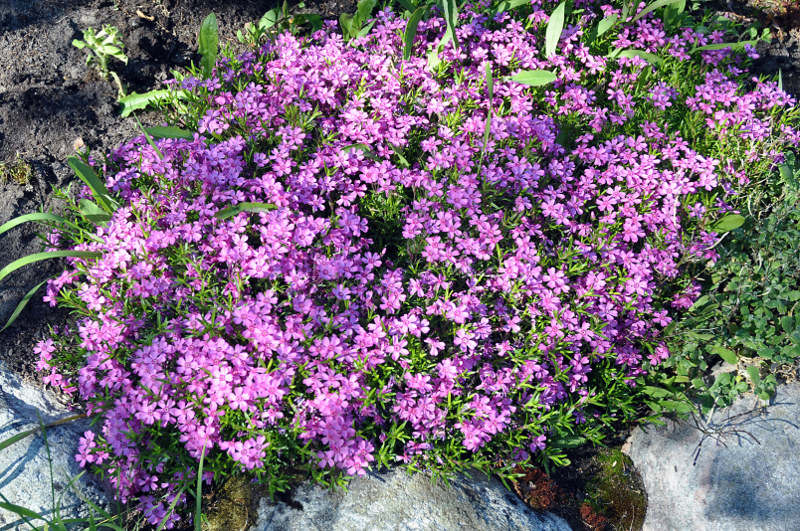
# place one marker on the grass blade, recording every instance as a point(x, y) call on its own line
point(411, 31)
point(735, 46)
point(490, 90)
point(208, 40)
point(87, 175)
point(38, 257)
point(149, 138)
point(37, 216)
point(554, 28)
point(450, 11)
point(244, 207)
point(170, 509)
point(198, 495)
point(22, 511)
point(23, 303)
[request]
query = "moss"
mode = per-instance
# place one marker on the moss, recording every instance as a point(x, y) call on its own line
point(230, 508)
point(615, 490)
point(17, 171)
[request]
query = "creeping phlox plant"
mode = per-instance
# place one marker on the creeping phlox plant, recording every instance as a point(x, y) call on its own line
point(397, 285)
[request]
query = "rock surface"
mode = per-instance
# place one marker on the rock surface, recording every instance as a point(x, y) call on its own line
point(395, 500)
point(24, 466)
point(747, 472)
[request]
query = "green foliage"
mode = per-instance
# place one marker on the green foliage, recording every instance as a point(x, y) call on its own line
point(208, 44)
point(275, 21)
point(103, 46)
point(555, 26)
point(750, 316)
point(353, 25)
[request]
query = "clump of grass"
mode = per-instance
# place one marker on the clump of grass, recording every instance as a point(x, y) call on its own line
point(17, 171)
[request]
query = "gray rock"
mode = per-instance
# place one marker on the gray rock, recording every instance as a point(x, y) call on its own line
point(396, 501)
point(746, 474)
point(24, 467)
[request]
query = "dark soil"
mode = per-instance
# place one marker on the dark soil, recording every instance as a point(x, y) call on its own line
point(51, 104)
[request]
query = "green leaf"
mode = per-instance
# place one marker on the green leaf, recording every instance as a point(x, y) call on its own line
point(755, 377)
point(135, 101)
point(787, 174)
point(365, 150)
point(554, 28)
point(700, 336)
point(568, 441)
point(534, 78)
point(699, 302)
point(647, 56)
point(735, 46)
point(725, 353)
point(244, 207)
point(366, 29)
point(450, 11)
point(411, 31)
point(403, 161)
point(364, 11)
point(606, 24)
point(208, 40)
point(93, 213)
point(346, 23)
point(657, 392)
point(655, 5)
point(99, 190)
point(677, 406)
point(269, 19)
point(30, 217)
point(23, 303)
point(38, 257)
point(169, 132)
point(433, 55)
point(728, 223)
point(508, 5)
point(787, 323)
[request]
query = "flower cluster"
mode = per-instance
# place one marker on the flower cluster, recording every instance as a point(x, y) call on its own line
point(416, 294)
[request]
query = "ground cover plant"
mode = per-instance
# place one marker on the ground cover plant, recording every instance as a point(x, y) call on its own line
point(450, 244)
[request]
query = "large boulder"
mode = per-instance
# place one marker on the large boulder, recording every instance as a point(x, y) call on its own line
point(395, 500)
point(25, 478)
point(740, 469)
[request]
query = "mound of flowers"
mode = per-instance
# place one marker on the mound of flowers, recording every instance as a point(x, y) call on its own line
point(397, 286)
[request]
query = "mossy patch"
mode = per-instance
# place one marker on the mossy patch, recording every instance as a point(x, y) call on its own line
point(614, 490)
point(17, 171)
point(231, 507)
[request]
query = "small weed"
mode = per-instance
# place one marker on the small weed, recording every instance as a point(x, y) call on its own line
point(103, 46)
point(18, 171)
